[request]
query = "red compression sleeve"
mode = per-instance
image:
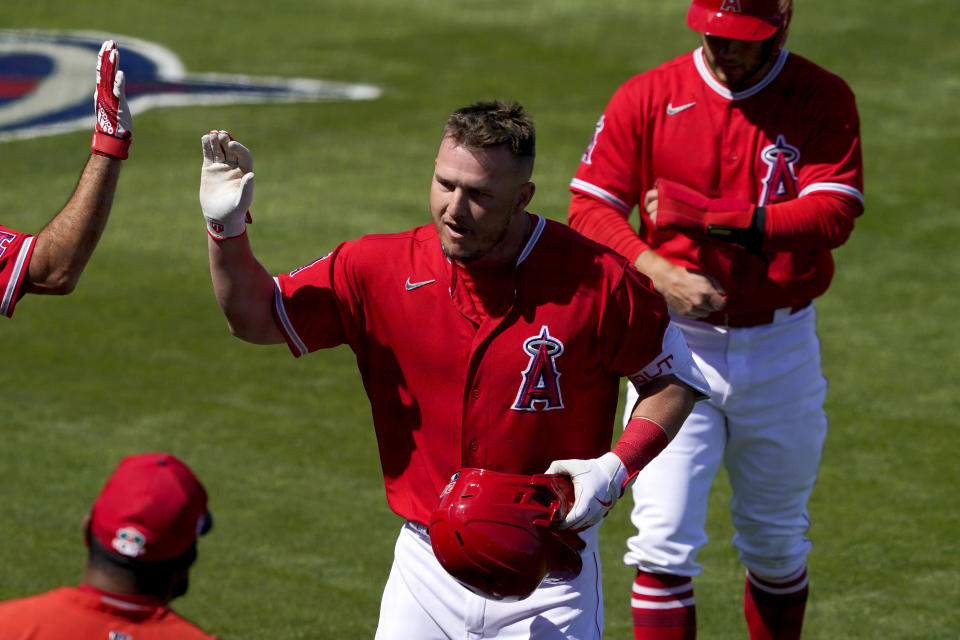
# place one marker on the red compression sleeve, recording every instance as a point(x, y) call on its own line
point(640, 443)
point(604, 224)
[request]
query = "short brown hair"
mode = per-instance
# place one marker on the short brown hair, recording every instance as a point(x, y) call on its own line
point(491, 124)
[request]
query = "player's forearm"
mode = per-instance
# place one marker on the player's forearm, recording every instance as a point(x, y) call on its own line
point(244, 291)
point(654, 423)
point(65, 245)
point(667, 401)
point(816, 221)
point(606, 225)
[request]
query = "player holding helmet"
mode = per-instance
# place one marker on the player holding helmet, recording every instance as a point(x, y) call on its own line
point(477, 349)
point(745, 163)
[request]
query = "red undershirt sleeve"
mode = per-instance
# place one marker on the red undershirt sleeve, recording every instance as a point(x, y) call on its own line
point(606, 225)
point(817, 221)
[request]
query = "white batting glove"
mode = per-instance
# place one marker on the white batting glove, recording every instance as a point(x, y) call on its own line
point(597, 485)
point(113, 127)
point(226, 185)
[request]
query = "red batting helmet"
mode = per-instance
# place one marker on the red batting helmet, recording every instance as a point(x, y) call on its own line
point(740, 19)
point(493, 533)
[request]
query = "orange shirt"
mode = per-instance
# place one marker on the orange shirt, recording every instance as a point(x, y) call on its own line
point(83, 612)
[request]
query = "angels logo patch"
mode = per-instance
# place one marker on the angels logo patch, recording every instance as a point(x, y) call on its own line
point(781, 180)
point(5, 238)
point(540, 389)
point(587, 157)
point(47, 82)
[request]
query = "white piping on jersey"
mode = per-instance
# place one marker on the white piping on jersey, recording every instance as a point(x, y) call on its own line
point(282, 314)
point(723, 90)
point(833, 186)
point(606, 196)
point(15, 276)
point(534, 237)
point(123, 604)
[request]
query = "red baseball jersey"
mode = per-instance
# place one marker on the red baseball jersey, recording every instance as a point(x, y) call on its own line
point(15, 251)
point(84, 612)
point(792, 135)
point(505, 370)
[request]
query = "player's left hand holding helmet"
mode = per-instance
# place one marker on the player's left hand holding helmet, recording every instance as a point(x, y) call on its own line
point(597, 485)
point(226, 185)
point(113, 124)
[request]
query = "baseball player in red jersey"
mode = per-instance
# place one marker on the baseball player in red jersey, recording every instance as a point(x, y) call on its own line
point(51, 262)
point(744, 161)
point(141, 534)
point(477, 348)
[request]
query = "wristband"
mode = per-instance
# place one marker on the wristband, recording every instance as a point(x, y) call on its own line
point(107, 145)
point(228, 229)
point(640, 443)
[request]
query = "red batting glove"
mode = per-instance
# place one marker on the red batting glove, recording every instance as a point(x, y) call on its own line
point(113, 127)
point(690, 212)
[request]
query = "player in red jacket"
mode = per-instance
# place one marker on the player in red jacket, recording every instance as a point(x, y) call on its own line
point(492, 338)
point(141, 534)
point(52, 261)
point(744, 161)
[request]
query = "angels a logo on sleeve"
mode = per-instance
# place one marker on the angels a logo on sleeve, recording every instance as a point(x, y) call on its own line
point(540, 389)
point(781, 180)
point(588, 153)
point(5, 238)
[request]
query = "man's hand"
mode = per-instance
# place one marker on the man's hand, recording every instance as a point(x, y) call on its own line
point(597, 485)
point(690, 293)
point(226, 185)
point(113, 126)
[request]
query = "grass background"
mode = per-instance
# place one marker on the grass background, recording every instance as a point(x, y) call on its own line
point(139, 358)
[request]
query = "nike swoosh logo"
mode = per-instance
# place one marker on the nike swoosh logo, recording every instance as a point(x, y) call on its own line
point(410, 286)
point(672, 110)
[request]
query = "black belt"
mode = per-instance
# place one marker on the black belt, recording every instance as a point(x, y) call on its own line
point(751, 318)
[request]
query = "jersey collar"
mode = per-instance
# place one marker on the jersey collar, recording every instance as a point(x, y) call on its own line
point(538, 225)
point(125, 601)
point(723, 90)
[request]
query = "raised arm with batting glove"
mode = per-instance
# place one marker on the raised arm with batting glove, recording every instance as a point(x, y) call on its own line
point(226, 185)
point(113, 128)
point(244, 289)
point(62, 249)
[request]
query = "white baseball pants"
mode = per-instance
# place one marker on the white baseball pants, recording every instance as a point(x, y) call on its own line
point(421, 601)
point(764, 421)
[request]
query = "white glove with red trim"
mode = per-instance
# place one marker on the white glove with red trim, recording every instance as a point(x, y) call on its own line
point(226, 185)
point(597, 485)
point(113, 128)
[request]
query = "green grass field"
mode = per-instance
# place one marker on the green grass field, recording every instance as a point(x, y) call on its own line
point(139, 358)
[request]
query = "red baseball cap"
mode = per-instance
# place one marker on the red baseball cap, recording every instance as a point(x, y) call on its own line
point(152, 508)
point(738, 19)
